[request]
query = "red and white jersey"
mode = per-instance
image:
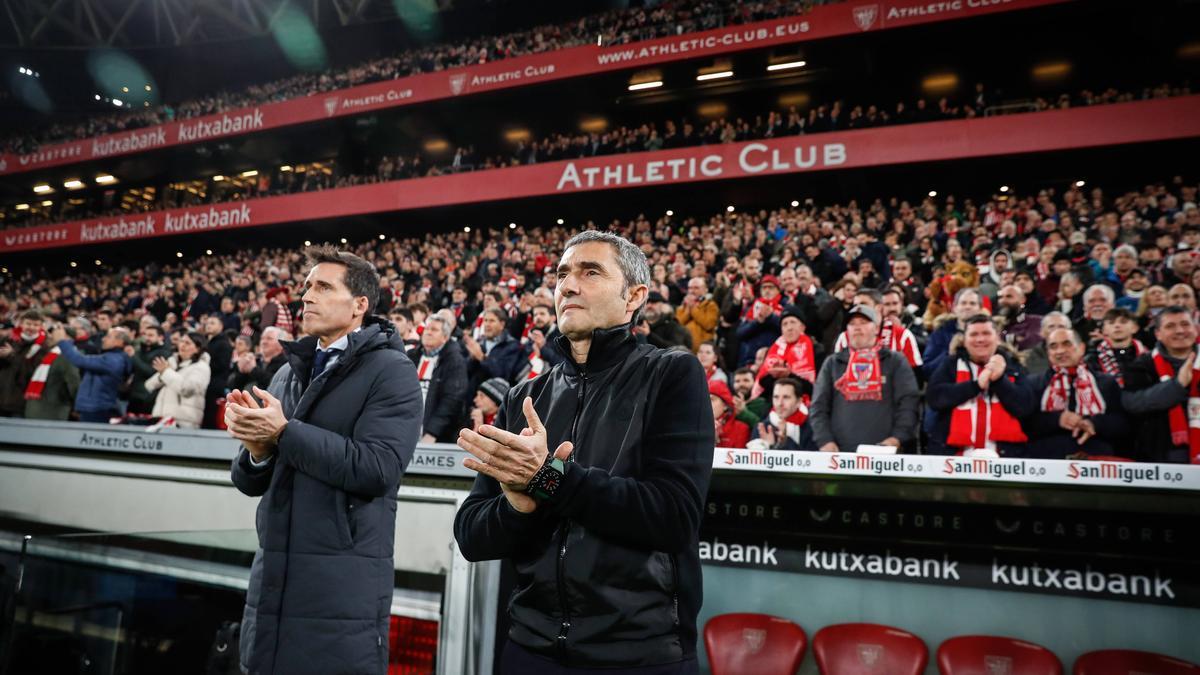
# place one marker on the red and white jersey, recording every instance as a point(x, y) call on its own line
point(892, 336)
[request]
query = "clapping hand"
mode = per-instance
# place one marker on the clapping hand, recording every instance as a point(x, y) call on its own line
point(160, 364)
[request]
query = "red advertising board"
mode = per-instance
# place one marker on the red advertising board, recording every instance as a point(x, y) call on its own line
point(822, 22)
point(1123, 123)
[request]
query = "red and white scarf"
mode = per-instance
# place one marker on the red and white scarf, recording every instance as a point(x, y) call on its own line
point(36, 345)
point(776, 304)
point(791, 426)
point(1107, 357)
point(1184, 419)
point(37, 384)
point(1088, 401)
point(798, 356)
point(863, 379)
point(981, 421)
point(892, 335)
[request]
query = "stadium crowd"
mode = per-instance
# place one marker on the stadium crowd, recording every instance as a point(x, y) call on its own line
point(618, 26)
point(1055, 324)
point(648, 136)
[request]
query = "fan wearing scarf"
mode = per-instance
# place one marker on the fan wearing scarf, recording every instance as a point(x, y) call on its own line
point(19, 359)
point(1078, 410)
point(1116, 352)
point(786, 426)
point(1161, 392)
point(979, 394)
point(865, 395)
point(793, 354)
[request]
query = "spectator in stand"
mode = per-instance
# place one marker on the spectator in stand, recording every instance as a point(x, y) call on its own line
point(1036, 360)
point(252, 370)
point(498, 354)
point(52, 388)
point(488, 399)
point(786, 424)
point(698, 313)
point(402, 319)
point(18, 359)
point(442, 373)
point(1070, 296)
point(865, 394)
point(1021, 330)
point(730, 431)
point(743, 394)
point(220, 363)
point(183, 380)
point(149, 346)
point(966, 304)
point(979, 396)
point(276, 312)
point(1159, 386)
point(1118, 349)
point(793, 354)
point(103, 373)
point(541, 346)
point(659, 325)
point(1079, 411)
point(1098, 299)
point(710, 359)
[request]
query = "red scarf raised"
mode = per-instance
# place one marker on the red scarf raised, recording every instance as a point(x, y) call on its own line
point(1185, 429)
point(978, 420)
point(798, 356)
point(37, 384)
point(862, 380)
point(1088, 401)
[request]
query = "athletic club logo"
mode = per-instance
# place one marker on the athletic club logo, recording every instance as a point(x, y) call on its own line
point(331, 106)
point(457, 82)
point(869, 655)
point(754, 638)
point(997, 665)
point(865, 16)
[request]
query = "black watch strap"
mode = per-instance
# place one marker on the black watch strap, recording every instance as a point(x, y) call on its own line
point(546, 481)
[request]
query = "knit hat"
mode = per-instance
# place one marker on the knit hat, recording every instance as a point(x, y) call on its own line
point(794, 311)
point(770, 279)
point(495, 389)
point(721, 390)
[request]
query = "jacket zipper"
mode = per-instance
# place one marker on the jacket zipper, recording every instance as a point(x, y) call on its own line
point(566, 531)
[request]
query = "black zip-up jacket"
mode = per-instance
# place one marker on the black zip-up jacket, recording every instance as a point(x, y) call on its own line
point(608, 570)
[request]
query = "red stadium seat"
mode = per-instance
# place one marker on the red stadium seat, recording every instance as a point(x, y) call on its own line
point(869, 649)
point(1131, 662)
point(753, 644)
point(989, 655)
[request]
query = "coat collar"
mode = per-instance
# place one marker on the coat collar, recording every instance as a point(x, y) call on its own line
point(609, 346)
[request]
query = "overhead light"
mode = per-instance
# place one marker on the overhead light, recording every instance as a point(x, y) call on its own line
point(795, 203)
point(249, 174)
point(516, 135)
point(307, 242)
point(117, 102)
point(47, 203)
point(786, 65)
point(74, 264)
point(729, 208)
point(437, 145)
point(178, 254)
point(940, 83)
point(73, 184)
point(1004, 188)
point(594, 124)
point(645, 85)
point(146, 104)
point(105, 179)
point(285, 167)
point(22, 207)
point(125, 89)
point(467, 228)
point(97, 97)
point(560, 221)
point(382, 237)
point(208, 251)
point(343, 240)
point(933, 193)
point(218, 178)
point(719, 75)
point(147, 87)
point(1079, 183)
point(512, 226)
point(670, 212)
point(98, 261)
point(42, 189)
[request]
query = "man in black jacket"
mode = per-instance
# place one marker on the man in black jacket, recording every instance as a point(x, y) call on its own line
point(598, 506)
point(326, 452)
point(442, 372)
point(1158, 388)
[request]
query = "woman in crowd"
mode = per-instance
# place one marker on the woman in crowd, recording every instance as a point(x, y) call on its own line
point(183, 379)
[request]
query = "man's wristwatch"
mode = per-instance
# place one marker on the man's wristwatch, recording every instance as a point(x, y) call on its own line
point(545, 482)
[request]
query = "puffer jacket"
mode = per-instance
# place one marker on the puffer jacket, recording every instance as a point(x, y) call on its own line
point(182, 395)
point(608, 569)
point(321, 582)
